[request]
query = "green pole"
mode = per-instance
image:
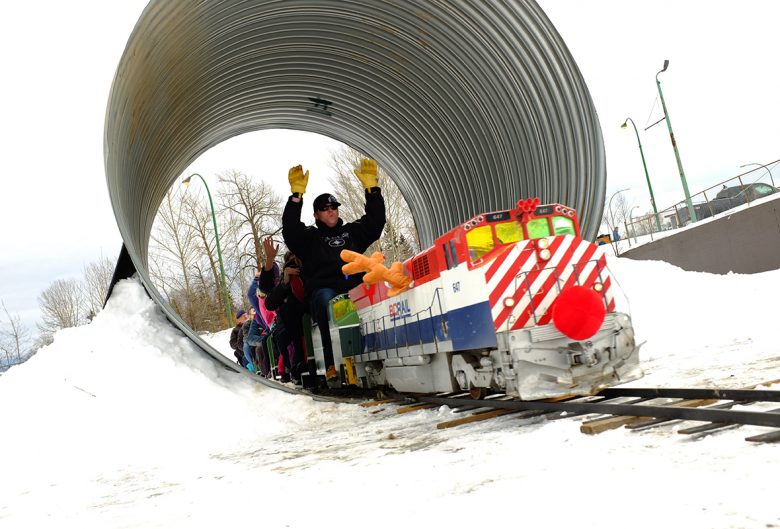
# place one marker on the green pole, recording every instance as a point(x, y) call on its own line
point(674, 145)
point(225, 295)
point(647, 176)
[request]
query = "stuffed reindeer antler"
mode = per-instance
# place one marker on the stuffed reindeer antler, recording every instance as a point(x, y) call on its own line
point(376, 271)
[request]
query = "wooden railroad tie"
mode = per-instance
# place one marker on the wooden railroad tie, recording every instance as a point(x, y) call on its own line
point(598, 426)
point(372, 403)
point(416, 407)
point(474, 417)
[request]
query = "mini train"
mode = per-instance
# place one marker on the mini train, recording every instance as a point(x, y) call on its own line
point(511, 301)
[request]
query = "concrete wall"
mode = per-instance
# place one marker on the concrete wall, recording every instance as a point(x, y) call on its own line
point(746, 241)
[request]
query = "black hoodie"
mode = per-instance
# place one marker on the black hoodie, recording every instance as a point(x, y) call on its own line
point(318, 247)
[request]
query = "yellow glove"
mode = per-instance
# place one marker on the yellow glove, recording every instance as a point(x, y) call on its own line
point(367, 173)
point(298, 179)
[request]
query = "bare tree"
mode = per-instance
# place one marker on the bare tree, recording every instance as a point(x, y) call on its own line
point(233, 251)
point(97, 277)
point(621, 210)
point(645, 223)
point(184, 258)
point(255, 210)
point(14, 338)
point(62, 306)
point(399, 239)
point(616, 214)
point(206, 265)
point(173, 252)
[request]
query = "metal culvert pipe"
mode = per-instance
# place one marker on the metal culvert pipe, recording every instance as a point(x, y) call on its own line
point(468, 105)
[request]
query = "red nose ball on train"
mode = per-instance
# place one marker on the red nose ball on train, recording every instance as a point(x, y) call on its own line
point(578, 312)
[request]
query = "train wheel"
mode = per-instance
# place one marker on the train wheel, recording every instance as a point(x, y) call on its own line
point(476, 393)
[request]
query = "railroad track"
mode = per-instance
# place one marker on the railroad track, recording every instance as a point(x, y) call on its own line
point(634, 408)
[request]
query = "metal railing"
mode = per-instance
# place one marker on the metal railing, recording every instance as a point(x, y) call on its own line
point(707, 203)
point(380, 329)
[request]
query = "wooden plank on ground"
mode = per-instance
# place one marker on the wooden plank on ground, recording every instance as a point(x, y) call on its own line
point(707, 427)
point(769, 437)
point(416, 407)
point(598, 426)
point(372, 403)
point(475, 417)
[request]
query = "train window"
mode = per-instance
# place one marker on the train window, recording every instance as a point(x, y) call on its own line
point(563, 226)
point(454, 255)
point(538, 228)
point(509, 232)
point(446, 249)
point(480, 241)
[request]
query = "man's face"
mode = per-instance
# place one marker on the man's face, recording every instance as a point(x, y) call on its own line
point(328, 215)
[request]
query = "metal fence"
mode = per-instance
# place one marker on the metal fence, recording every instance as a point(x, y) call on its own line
point(723, 196)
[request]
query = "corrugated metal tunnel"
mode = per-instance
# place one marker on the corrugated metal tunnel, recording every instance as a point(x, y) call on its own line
point(467, 105)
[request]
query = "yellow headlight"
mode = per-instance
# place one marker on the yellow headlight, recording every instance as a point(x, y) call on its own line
point(542, 243)
point(545, 254)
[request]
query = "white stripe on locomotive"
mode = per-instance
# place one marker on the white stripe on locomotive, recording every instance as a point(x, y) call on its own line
point(511, 258)
point(564, 271)
point(524, 302)
point(513, 286)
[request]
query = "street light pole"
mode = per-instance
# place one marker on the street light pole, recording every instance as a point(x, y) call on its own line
point(225, 295)
point(647, 176)
point(633, 227)
point(674, 145)
point(609, 207)
point(768, 170)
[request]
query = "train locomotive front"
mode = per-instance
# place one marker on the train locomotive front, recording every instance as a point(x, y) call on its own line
point(511, 301)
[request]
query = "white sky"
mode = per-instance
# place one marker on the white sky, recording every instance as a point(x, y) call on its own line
point(59, 60)
point(122, 423)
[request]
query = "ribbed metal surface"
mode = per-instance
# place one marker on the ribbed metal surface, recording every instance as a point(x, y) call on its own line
point(467, 105)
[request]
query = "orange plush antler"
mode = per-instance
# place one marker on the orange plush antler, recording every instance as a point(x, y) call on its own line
point(375, 270)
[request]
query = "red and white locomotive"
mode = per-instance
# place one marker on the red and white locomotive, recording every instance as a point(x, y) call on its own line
point(511, 301)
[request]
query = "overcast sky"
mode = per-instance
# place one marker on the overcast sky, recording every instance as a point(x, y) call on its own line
point(59, 59)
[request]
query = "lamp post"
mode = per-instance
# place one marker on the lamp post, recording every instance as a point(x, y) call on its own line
point(228, 309)
point(644, 164)
point(633, 227)
point(768, 170)
point(609, 207)
point(674, 144)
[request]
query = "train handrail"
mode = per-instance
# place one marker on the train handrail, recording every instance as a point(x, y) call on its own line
point(429, 310)
point(599, 267)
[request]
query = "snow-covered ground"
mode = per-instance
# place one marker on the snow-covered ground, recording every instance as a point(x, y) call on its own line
point(124, 423)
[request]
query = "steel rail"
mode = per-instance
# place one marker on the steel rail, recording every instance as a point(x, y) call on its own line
point(756, 418)
point(694, 393)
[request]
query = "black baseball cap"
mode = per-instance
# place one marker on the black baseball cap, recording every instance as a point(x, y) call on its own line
point(325, 199)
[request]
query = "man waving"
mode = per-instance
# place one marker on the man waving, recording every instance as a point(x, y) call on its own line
point(319, 246)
